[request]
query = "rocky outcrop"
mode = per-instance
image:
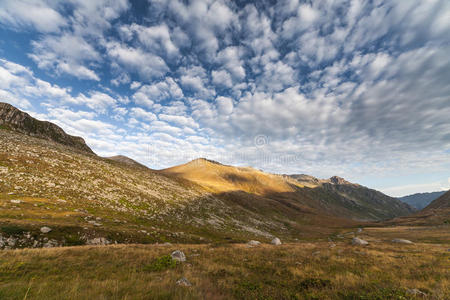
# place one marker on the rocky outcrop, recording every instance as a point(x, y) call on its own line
point(14, 119)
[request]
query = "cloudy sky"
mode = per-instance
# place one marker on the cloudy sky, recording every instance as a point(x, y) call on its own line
point(359, 89)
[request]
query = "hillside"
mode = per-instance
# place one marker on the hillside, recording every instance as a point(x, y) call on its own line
point(334, 196)
point(420, 200)
point(88, 199)
point(14, 119)
point(126, 160)
point(442, 202)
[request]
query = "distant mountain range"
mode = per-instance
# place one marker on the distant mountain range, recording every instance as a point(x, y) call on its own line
point(421, 200)
point(54, 179)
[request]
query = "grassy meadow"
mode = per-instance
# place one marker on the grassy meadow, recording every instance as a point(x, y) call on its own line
point(320, 270)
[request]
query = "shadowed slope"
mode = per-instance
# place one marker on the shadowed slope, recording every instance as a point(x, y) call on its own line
point(442, 202)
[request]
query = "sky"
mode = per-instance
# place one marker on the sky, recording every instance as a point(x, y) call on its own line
point(354, 88)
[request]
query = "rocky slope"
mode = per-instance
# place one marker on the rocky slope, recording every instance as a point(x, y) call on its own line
point(420, 200)
point(126, 160)
point(17, 120)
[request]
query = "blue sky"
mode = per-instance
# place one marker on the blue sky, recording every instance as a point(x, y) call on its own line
point(359, 89)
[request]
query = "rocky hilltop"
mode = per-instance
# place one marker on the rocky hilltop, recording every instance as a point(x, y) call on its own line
point(14, 119)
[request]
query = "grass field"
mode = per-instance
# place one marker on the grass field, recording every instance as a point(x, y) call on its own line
point(321, 270)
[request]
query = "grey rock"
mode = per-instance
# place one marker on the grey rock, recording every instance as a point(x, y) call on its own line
point(50, 244)
point(178, 256)
point(45, 229)
point(253, 243)
point(276, 241)
point(402, 241)
point(415, 292)
point(358, 241)
point(16, 201)
point(98, 241)
point(183, 282)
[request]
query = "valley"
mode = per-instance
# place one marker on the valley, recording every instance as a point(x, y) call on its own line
point(73, 223)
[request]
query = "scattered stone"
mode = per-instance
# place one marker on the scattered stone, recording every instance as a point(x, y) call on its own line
point(94, 223)
point(402, 241)
point(15, 201)
point(253, 243)
point(415, 292)
point(183, 282)
point(50, 244)
point(98, 241)
point(276, 241)
point(358, 241)
point(45, 229)
point(332, 245)
point(178, 256)
point(359, 230)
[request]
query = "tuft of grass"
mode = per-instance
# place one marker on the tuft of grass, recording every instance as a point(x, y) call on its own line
point(161, 263)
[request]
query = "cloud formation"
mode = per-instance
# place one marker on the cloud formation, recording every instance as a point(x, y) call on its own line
point(348, 87)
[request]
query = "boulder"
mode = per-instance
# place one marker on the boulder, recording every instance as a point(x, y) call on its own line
point(253, 243)
point(415, 293)
point(16, 201)
point(402, 241)
point(276, 241)
point(358, 241)
point(45, 229)
point(183, 282)
point(178, 256)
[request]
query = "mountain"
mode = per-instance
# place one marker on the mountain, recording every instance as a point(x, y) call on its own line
point(126, 160)
point(420, 200)
point(87, 199)
point(334, 196)
point(46, 181)
point(443, 202)
point(14, 119)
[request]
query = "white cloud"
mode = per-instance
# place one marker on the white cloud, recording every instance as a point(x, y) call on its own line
point(66, 54)
point(28, 13)
point(142, 114)
point(147, 65)
point(179, 120)
point(222, 78)
point(97, 101)
point(224, 105)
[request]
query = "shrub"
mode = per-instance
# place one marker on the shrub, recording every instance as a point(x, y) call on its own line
point(161, 263)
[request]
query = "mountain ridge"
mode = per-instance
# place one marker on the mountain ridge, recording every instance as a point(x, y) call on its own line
point(14, 119)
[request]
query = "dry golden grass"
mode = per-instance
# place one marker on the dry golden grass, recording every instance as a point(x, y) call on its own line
point(292, 271)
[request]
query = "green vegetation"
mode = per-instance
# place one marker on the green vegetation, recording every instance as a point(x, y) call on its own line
point(162, 263)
